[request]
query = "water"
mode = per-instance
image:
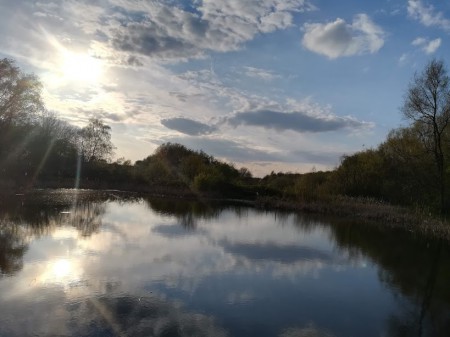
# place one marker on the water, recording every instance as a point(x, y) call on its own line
point(106, 264)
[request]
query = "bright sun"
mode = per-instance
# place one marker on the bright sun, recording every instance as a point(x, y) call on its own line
point(61, 269)
point(80, 67)
point(73, 66)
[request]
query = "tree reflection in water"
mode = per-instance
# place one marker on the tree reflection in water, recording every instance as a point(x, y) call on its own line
point(413, 268)
point(12, 248)
point(189, 212)
point(409, 264)
point(86, 217)
point(25, 218)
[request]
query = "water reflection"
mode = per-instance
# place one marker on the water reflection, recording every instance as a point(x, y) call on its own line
point(26, 218)
point(146, 316)
point(413, 266)
point(12, 248)
point(104, 265)
point(189, 212)
point(278, 253)
point(308, 331)
point(109, 315)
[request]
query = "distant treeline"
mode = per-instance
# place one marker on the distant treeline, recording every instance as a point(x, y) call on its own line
point(409, 168)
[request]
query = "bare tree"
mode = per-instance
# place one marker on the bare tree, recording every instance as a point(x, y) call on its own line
point(55, 128)
point(20, 94)
point(95, 141)
point(427, 103)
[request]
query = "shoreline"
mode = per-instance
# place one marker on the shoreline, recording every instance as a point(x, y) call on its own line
point(368, 211)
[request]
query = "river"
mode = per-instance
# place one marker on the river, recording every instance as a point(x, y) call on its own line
point(81, 263)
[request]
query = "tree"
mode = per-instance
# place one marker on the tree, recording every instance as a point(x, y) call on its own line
point(95, 141)
point(361, 174)
point(245, 173)
point(427, 104)
point(406, 169)
point(20, 94)
point(53, 151)
point(20, 103)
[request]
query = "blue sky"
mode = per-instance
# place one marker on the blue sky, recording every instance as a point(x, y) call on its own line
point(283, 85)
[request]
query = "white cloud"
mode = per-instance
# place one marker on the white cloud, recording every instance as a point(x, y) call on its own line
point(432, 46)
point(125, 31)
point(427, 15)
point(259, 73)
point(428, 46)
point(338, 38)
point(419, 41)
point(171, 32)
point(403, 58)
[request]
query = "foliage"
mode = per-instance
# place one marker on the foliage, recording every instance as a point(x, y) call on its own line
point(209, 181)
point(408, 169)
point(313, 186)
point(20, 95)
point(359, 174)
point(95, 141)
point(175, 165)
point(427, 104)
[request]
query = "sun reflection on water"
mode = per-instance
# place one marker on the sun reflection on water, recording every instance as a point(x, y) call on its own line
point(61, 271)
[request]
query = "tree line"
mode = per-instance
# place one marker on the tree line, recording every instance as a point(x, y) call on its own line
point(35, 144)
point(411, 167)
point(38, 149)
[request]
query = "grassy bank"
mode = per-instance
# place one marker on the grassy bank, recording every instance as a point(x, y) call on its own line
point(365, 209)
point(369, 211)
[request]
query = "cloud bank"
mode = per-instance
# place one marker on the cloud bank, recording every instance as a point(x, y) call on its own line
point(239, 151)
point(295, 121)
point(161, 30)
point(188, 126)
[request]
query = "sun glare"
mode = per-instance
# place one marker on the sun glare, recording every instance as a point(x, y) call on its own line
point(73, 66)
point(80, 67)
point(61, 269)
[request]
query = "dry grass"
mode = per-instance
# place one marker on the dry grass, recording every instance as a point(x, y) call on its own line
point(369, 210)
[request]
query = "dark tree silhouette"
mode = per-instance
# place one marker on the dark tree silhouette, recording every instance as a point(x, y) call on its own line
point(20, 94)
point(95, 141)
point(12, 249)
point(427, 103)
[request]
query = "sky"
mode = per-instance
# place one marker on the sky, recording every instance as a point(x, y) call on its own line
point(272, 85)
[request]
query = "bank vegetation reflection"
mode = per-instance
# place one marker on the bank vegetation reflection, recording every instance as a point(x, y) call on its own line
point(424, 300)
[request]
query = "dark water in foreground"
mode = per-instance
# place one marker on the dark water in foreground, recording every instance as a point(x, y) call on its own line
point(98, 264)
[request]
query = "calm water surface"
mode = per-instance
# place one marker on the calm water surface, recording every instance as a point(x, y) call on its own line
point(105, 264)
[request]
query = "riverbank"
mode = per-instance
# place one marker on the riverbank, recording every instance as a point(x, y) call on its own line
point(369, 211)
